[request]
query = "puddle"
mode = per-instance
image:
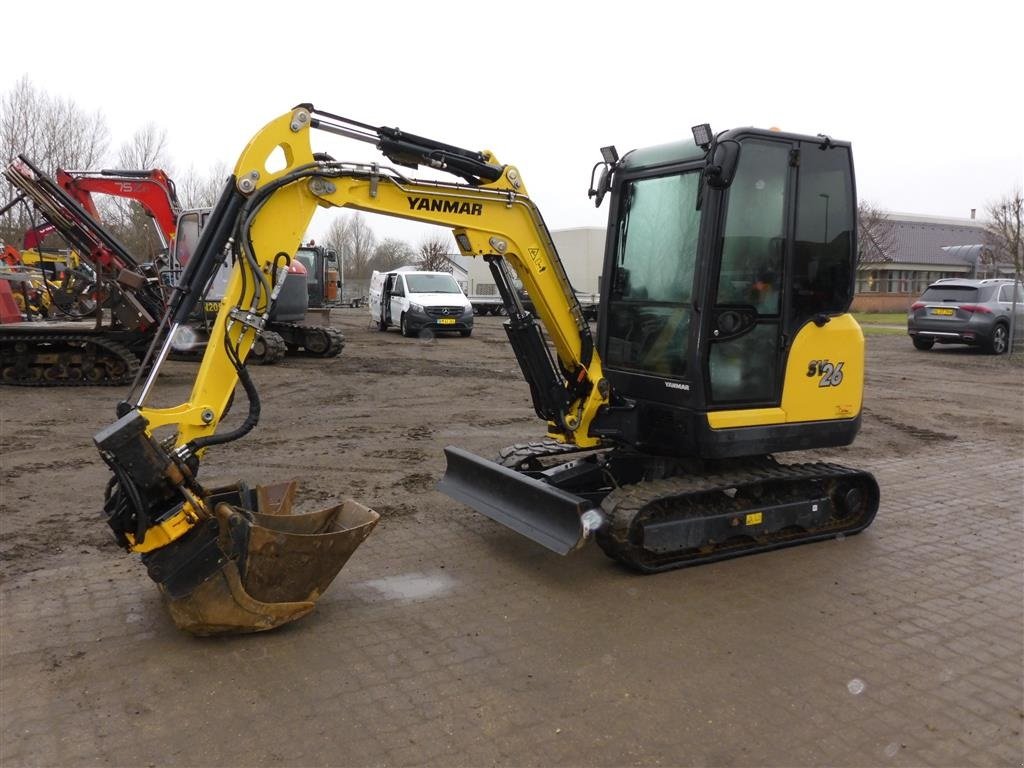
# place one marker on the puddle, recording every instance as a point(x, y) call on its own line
point(410, 586)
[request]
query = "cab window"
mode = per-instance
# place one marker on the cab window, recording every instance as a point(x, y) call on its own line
point(652, 285)
point(742, 366)
point(755, 229)
point(822, 274)
point(308, 260)
point(186, 238)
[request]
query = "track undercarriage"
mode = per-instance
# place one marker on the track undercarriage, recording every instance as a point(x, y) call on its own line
point(654, 513)
point(309, 340)
point(38, 356)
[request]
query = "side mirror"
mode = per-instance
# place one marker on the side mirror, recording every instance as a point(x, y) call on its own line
point(721, 164)
point(604, 182)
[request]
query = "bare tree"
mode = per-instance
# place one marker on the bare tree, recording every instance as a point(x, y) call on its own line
point(392, 253)
point(352, 238)
point(1003, 231)
point(876, 234)
point(337, 237)
point(433, 254)
point(146, 149)
point(70, 138)
point(127, 219)
point(195, 191)
point(19, 119)
point(52, 133)
point(1005, 237)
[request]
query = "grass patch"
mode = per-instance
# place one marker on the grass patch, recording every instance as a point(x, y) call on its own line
point(881, 318)
point(870, 330)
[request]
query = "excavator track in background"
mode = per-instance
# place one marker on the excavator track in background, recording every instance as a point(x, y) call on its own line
point(268, 349)
point(55, 359)
point(310, 340)
point(760, 505)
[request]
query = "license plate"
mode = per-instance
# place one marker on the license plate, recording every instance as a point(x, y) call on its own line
point(942, 311)
point(446, 321)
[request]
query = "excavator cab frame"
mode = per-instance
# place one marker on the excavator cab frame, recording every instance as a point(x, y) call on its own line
point(710, 365)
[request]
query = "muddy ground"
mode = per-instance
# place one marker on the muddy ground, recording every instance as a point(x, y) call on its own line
point(379, 415)
point(371, 425)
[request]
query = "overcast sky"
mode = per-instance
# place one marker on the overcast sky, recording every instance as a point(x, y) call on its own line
point(929, 93)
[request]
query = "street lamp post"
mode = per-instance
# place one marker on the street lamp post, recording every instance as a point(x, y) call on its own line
point(826, 196)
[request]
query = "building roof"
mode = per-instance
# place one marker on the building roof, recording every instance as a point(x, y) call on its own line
point(965, 254)
point(934, 240)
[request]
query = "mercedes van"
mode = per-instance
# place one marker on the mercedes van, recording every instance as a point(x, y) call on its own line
point(419, 301)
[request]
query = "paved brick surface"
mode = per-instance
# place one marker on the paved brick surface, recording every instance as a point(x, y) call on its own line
point(901, 646)
point(450, 641)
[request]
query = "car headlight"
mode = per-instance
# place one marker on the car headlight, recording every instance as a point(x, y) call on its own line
point(415, 307)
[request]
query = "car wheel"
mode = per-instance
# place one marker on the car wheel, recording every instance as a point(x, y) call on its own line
point(404, 326)
point(923, 344)
point(465, 333)
point(1000, 340)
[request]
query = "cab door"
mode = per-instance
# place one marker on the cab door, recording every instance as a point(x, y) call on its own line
point(398, 301)
point(745, 334)
point(786, 257)
point(646, 332)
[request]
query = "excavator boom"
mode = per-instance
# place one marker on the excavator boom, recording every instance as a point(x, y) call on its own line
point(200, 543)
point(152, 189)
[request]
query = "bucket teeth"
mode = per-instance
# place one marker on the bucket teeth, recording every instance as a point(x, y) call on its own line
point(278, 563)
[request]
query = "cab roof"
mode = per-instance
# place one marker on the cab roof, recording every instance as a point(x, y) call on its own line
point(686, 151)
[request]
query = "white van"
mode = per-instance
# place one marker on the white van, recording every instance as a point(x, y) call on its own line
point(418, 301)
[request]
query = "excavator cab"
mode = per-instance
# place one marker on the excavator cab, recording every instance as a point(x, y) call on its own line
point(714, 317)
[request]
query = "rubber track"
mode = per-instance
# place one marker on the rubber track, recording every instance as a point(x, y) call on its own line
point(335, 340)
point(114, 350)
point(631, 505)
point(274, 350)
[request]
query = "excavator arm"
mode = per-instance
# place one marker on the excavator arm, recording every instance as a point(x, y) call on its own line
point(492, 218)
point(199, 543)
point(152, 189)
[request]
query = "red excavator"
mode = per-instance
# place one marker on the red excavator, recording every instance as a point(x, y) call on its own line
point(129, 296)
point(179, 232)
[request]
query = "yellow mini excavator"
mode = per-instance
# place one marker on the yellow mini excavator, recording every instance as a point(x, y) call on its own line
point(723, 338)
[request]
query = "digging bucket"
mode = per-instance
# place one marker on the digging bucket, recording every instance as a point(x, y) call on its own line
point(266, 566)
point(556, 519)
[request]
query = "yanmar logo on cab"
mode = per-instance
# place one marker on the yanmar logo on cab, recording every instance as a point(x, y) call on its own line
point(677, 385)
point(444, 206)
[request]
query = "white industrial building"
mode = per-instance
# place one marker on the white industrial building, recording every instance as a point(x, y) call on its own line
point(580, 248)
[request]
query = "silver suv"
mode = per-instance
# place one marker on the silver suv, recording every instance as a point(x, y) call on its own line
point(961, 311)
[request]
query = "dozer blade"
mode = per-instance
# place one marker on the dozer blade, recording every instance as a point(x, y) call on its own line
point(552, 517)
point(266, 568)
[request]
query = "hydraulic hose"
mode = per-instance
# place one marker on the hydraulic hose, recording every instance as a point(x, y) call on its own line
point(252, 418)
